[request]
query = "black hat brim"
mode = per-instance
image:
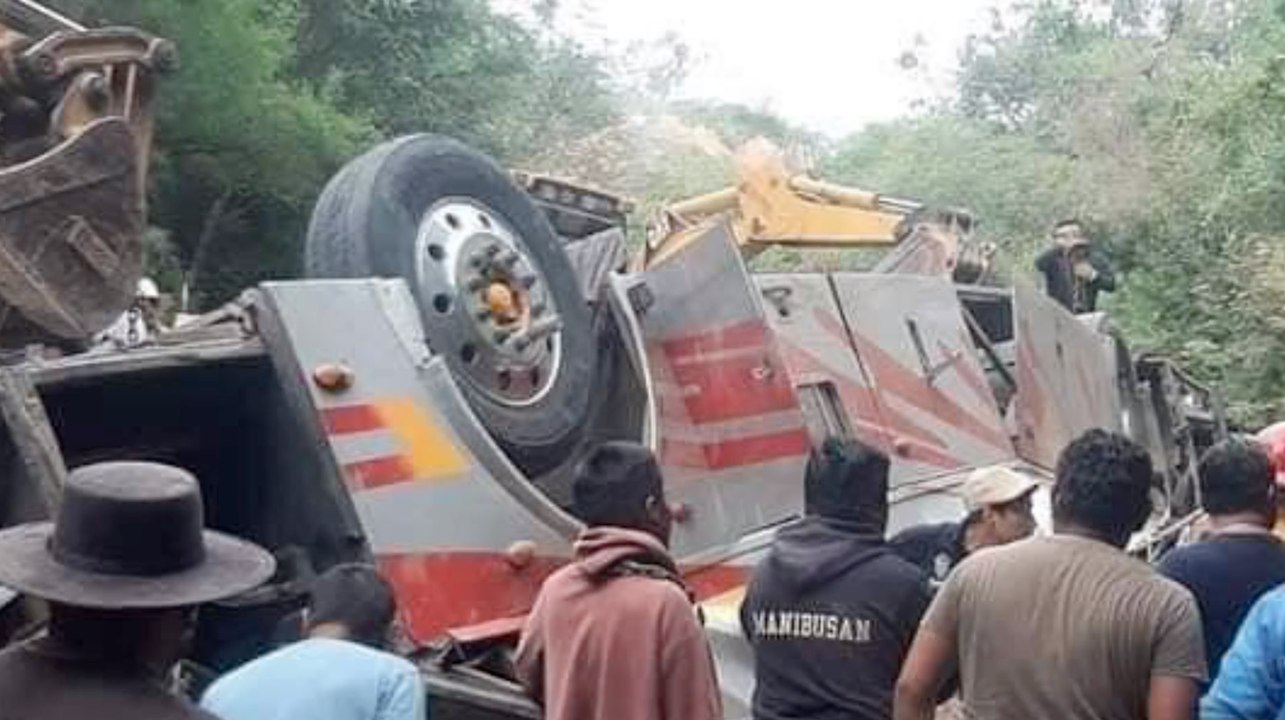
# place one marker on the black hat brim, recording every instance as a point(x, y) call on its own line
point(231, 567)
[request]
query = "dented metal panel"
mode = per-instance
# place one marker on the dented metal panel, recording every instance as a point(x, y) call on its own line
point(1066, 380)
point(814, 342)
point(439, 503)
point(729, 433)
point(939, 414)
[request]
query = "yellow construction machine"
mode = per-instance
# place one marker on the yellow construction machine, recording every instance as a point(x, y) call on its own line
point(770, 205)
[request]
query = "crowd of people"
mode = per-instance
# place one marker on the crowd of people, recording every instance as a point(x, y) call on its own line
point(843, 622)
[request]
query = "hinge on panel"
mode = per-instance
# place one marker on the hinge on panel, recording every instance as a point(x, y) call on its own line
point(779, 297)
point(640, 298)
point(930, 371)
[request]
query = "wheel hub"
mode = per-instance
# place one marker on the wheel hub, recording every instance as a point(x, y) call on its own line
point(475, 272)
point(503, 301)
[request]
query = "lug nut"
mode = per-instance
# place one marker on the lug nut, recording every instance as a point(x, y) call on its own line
point(501, 335)
point(527, 281)
point(508, 258)
point(476, 283)
point(541, 328)
point(538, 331)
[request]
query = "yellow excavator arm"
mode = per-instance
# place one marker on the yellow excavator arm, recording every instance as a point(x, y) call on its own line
point(769, 206)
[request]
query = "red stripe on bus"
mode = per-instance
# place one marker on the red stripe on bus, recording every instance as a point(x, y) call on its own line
point(681, 453)
point(441, 590)
point(376, 472)
point(892, 378)
point(861, 405)
point(744, 334)
point(348, 419)
point(714, 580)
point(437, 591)
point(737, 452)
point(733, 388)
point(757, 449)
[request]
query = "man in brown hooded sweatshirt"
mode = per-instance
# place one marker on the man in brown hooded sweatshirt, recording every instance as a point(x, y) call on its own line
point(614, 634)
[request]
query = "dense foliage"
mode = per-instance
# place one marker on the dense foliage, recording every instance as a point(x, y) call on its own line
point(1161, 123)
point(272, 96)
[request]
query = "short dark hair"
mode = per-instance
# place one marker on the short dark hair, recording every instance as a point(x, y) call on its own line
point(357, 597)
point(613, 484)
point(847, 480)
point(1236, 475)
point(1103, 484)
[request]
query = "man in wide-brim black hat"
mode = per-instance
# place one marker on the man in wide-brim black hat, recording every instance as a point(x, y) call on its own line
point(123, 568)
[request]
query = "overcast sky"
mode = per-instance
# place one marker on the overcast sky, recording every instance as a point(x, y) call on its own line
point(830, 65)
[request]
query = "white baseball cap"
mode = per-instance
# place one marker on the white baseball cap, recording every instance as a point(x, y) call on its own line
point(147, 289)
point(995, 485)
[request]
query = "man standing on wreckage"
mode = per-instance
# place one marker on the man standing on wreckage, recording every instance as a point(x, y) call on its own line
point(1074, 271)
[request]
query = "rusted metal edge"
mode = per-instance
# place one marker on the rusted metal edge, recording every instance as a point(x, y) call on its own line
point(93, 365)
point(294, 384)
point(33, 437)
point(476, 689)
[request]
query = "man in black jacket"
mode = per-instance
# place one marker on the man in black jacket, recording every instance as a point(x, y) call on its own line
point(831, 611)
point(1074, 272)
point(1240, 559)
point(998, 501)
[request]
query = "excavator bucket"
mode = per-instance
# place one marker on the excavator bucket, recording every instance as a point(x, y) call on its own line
point(75, 133)
point(71, 223)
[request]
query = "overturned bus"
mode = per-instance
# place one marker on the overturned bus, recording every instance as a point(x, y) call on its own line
point(465, 333)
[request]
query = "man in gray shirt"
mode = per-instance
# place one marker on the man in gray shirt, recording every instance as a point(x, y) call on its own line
point(1066, 627)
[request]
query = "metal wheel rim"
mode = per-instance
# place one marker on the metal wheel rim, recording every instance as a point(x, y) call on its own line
point(463, 248)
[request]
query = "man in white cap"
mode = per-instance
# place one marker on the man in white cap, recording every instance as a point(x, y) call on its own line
point(998, 501)
point(139, 322)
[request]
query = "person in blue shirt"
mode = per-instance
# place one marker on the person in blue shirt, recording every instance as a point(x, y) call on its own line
point(1240, 559)
point(1251, 681)
point(339, 672)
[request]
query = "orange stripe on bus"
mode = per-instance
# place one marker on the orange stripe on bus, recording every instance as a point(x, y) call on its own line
point(428, 448)
point(426, 451)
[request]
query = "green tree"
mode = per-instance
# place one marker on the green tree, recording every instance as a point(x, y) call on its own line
point(241, 148)
point(453, 67)
point(274, 95)
point(1162, 125)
